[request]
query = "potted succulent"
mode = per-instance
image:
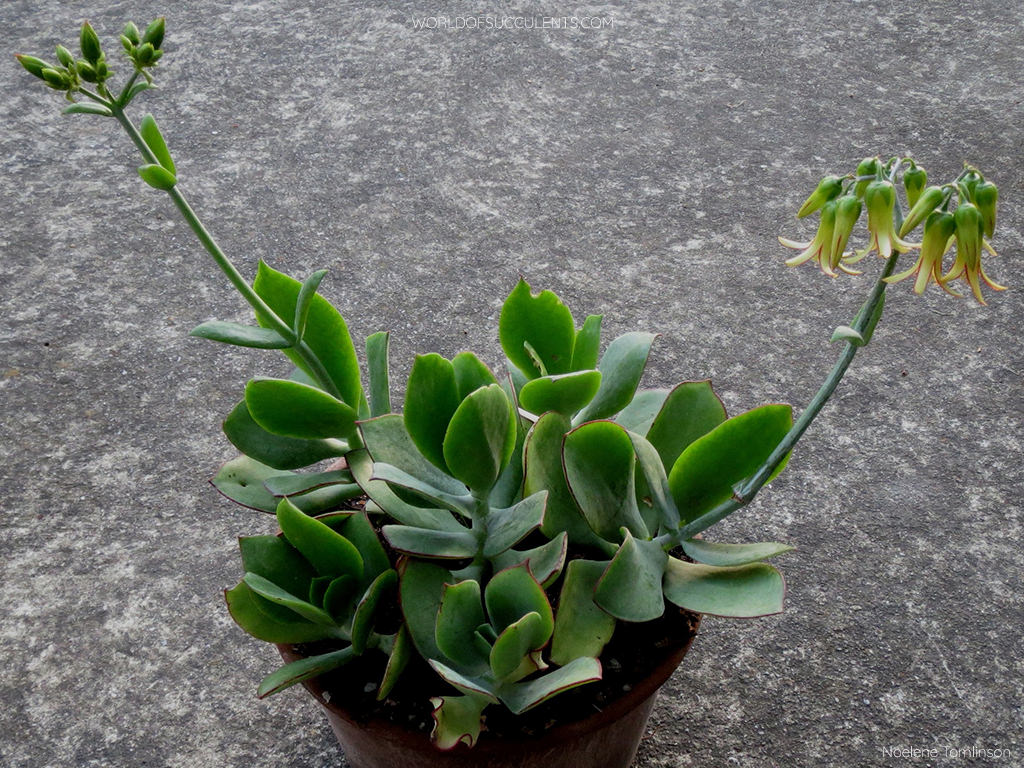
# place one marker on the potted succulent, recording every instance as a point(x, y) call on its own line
point(478, 553)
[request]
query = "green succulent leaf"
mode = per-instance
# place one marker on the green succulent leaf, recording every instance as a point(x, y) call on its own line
point(274, 450)
point(621, 367)
point(420, 589)
point(743, 591)
point(389, 443)
point(380, 492)
point(241, 480)
point(292, 409)
point(705, 473)
point(639, 415)
point(541, 323)
point(463, 504)
point(303, 669)
point(293, 485)
point(240, 335)
point(457, 719)
point(273, 558)
point(244, 607)
point(520, 697)
point(442, 545)
point(587, 343)
point(655, 483)
point(326, 333)
point(564, 393)
point(460, 614)
point(470, 374)
point(357, 528)
point(509, 487)
point(268, 590)
point(306, 294)
point(581, 627)
point(88, 109)
point(631, 587)
point(717, 553)
point(431, 398)
point(471, 686)
point(691, 410)
point(401, 652)
point(335, 595)
point(157, 177)
point(545, 562)
point(366, 610)
point(480, 438)
point(513, 593)
point(154, 139)
point(330, 553)
point(515, 643)
point(507, 527)
point(377, 367)
point(599, 466)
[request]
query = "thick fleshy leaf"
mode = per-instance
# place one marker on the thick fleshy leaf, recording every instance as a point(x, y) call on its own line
point(473, 686)
point(545, 562)
point(431, 397)
point(326, 332)
point(507, 527)
point(541, 323)
point(588, 341)
point(513, 593)
point(642, 410)
point(716, 553)
point(242, 479)
point(365, 613)
point(293, 485)
point(380, 492)
point(516, 642)
point(292, 409)
point(509, 487)
point(599, 466)
point(357, 528)
point(480, 438)
point(565, 393)
point(622, 366)
point(389, 443)
point(705, 473)
point(328, 551)
point(302, 303)
point(743, 591)
point(581, 627)
point(273, 558)
point(338, 596)
point(268, 590)
point(154, 139)
point(420, 588)
point(377, 368)
point(542, 460)
point(87, 109)
point(690, 411)
point(460, 614)
point(520, 697)
point(303, 669)
point(243, 605)
point(630, 588)
point(655, 482)
point(462, 504)
point(274, 450)
point(442, 545)
point(240, 335)
point(401, 652)
point(470, 374)
point(457, 720)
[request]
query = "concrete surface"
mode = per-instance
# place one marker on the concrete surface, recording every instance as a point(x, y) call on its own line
point(642, 170)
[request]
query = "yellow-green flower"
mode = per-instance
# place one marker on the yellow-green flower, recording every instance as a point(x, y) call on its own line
point(880, 197)
point(938, 239)
point(820, 248)
point(970, 240)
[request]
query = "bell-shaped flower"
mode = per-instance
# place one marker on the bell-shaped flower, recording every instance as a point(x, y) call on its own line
point(926, 202)
point(970, 240)
point(827, 189)
point(880, 197)
point(938, 239)
point(985, 197)
point(820, 248)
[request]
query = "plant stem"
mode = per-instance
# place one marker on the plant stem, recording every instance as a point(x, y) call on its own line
point(746, 492)
point(261, 308)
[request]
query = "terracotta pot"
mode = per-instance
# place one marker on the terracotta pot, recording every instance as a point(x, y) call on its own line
point(606, 739)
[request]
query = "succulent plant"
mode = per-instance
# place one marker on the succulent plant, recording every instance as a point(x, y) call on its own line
point(500, 525)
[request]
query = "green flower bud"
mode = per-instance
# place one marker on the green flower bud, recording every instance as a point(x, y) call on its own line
point(57, 80)
point(102, 70)
point(86, 71)
point(128, 45)
point(985, 197)
point(131, 32)
point(154, 33)
point(90, 43)
point(144, 55)
point(969, 228)
point(913, 182)
point(65, 57)
point(928, 201)
point(848, 209)
point(968, 184)
point(33, 65)
point(828, 189)
point(869, 166)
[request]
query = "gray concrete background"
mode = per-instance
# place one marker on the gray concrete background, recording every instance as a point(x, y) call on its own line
point(641, 170)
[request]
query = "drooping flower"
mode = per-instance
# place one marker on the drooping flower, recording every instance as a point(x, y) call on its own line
point(970, 240)
point(986, 196)
point(880, 197)
point(938, 239)
point(820, 248)
point(827, 189)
